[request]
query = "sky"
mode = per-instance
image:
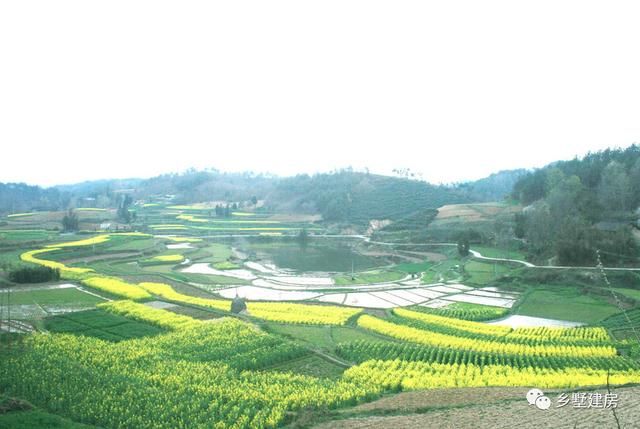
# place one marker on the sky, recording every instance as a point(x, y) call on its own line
point(453, 90)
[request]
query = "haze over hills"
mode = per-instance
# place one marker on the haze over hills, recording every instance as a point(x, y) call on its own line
point(348, 195)
point(343, 195)
point(567, 209)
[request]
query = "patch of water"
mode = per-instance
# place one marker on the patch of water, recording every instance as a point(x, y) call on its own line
point(335, 298)
point(408, 295)
point(459, 286)
point(388, 296)
point(445, 289)
point(160, 304)
point(33, 311)
point(264, 294)
point(436, 303)
point(15, 289)
point(238, 254)
point(518, 321)
point(205, 268)
point(363, 299)
point(491, 294)
point(484, 300)
point(180, 246)
point(426, 293)
point(302, 280)
point(495, 289)
point(282, 286)
point(61, 309)
point(16, 326)
point(313, 257)
point(263, 268)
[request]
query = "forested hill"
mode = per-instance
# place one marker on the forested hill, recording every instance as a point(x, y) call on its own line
point(495, 187)
point(359, 197)
point(18, 197)
point(343, 196)
point(575, 207)
point(620, 169)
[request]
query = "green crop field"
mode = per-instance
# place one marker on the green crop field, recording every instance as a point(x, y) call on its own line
point(631, 293)
point(466, 311)
point(10, 257)
point(23, 416)
point(17, 236)
point(53, 297)
point(414, 267)
point(312, 365)
point(212, 252)
point(566, 303)
point(482, 272)
point(319, 336)
point(169, 350)
point(100, 324)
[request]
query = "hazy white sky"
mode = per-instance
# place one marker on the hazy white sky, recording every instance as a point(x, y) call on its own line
point(454, 90)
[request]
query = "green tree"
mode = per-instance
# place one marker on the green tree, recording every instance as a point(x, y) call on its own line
point(614, 190)
point(519, 228)
point(634, 178)
point(238, 305)
point(463, 244)
point(575, 242)
point(564, 198)
point(70, 221)
point(303, 237)
point(538, 231)
point(124, 215)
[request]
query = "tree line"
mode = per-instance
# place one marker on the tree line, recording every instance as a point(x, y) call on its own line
point(574, 207)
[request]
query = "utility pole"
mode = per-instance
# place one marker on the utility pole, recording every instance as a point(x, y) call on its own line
point(600, 266)
point(1, 311)
point(9, 316)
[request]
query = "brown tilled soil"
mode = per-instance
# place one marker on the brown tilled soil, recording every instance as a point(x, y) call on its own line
point(413, 401)
point(488, 408)
point(472, 212)
point(458, 211)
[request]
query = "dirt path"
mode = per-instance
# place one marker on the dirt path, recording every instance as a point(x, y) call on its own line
point(478, 409)
point(478, 255)
point(331, 359)
point(475, 253)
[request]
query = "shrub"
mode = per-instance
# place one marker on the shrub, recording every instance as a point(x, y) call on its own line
point(39, 274)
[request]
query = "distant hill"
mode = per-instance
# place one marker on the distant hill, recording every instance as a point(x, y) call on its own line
point(343, 196)
point(495, 187)
point(19, 197)
point(359, 197)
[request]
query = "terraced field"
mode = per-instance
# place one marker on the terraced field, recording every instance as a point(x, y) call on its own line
point(212, 332)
